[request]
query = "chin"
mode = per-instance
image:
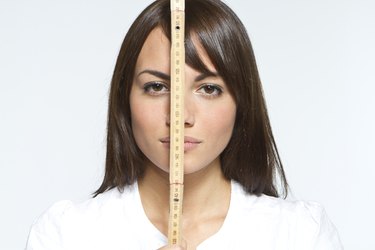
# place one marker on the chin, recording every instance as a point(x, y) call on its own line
point(187, 170)
point(191, 166)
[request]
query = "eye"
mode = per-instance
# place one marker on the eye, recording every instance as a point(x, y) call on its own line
point(210, 90)
point(155, 88)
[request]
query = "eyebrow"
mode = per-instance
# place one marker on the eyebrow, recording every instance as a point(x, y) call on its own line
point(168, 77)
point(205, 75)
point(156, 73)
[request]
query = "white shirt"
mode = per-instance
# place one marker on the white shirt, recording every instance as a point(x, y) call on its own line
point(117, 221)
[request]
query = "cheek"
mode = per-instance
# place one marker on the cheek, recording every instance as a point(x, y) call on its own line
point(147, 118)
point(221, 123)
point(136, 118)
point(219, 127)
point(143, 118)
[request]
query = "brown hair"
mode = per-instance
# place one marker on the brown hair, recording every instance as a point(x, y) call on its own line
point(251, 157)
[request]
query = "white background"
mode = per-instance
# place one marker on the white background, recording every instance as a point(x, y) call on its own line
point(316, 60)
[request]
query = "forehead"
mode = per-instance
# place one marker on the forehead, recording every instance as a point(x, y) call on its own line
point(155, 52)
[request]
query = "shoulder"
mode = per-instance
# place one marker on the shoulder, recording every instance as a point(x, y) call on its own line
point(302, 223)
point(103, 204)
point(67, 223)
point(276, 207)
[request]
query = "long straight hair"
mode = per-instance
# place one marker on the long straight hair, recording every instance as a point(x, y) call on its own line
point(251, 156)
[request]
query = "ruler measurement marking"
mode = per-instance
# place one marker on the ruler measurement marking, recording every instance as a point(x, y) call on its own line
point(177, 120)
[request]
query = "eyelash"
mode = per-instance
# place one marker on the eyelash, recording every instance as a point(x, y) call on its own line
point(148, 88)
point(217, 90)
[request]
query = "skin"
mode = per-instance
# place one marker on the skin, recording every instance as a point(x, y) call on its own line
point(209, 112)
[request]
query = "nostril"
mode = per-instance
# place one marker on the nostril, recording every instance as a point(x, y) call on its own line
point(168, 120)
point(189, 122)
point(189, 119)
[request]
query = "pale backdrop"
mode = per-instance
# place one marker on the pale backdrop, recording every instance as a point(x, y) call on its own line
point(316, 60)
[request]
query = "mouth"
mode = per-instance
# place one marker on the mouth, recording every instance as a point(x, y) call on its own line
point(189, 142)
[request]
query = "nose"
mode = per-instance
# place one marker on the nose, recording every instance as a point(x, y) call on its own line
point(189, 116)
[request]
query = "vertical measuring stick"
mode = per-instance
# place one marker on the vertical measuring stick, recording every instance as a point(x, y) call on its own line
point(177, 123)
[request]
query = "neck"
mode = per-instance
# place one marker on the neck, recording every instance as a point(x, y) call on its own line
point(206, 194)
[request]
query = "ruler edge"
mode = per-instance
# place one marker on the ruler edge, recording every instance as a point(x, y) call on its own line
point(175, 204)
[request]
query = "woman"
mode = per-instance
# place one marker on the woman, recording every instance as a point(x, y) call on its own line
point(232, 166)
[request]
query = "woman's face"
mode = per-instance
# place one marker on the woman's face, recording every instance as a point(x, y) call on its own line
point(209, 108)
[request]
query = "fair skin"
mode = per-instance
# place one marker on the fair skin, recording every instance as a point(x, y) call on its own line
point(209, 113)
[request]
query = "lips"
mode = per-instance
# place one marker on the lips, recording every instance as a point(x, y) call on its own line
point(189, 142)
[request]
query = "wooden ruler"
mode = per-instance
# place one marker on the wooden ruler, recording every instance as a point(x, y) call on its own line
point(177, 123)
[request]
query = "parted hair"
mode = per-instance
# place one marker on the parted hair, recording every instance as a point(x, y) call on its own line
point(251, 157)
